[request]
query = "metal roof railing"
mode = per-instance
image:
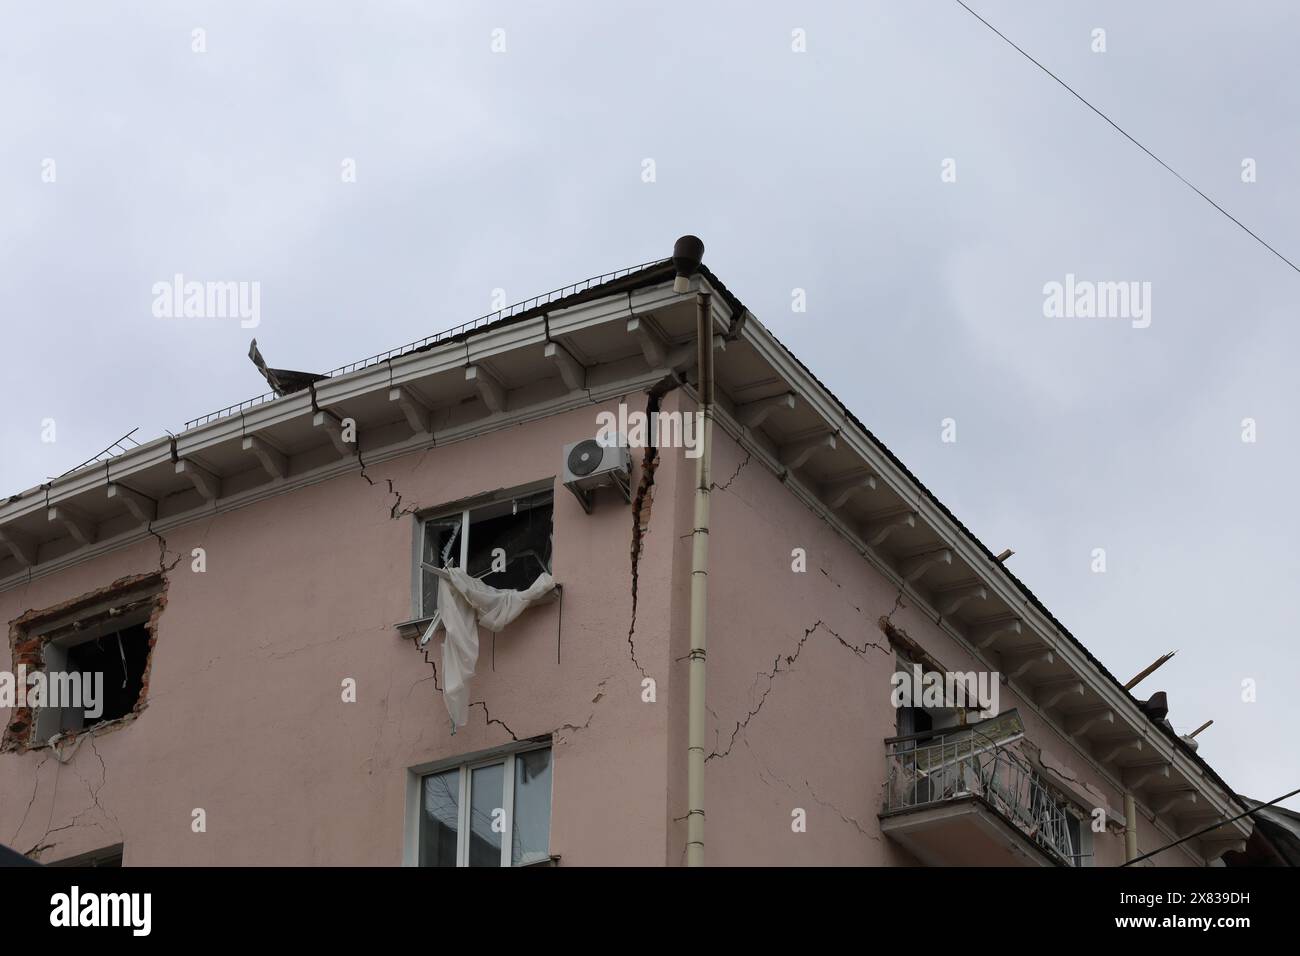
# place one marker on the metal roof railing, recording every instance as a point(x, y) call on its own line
point(518, 308)
point(114, 450)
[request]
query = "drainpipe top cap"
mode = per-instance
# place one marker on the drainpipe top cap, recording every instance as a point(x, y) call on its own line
point(688, 253)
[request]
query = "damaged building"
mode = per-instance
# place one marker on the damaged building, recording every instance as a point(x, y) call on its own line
point(412, 612)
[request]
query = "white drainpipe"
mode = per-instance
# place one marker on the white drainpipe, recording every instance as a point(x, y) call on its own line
point(1130, 828)
point(699, 591)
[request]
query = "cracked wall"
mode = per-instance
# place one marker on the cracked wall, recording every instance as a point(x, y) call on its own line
point(793, 663)
point(798, 684)
point(245, 718)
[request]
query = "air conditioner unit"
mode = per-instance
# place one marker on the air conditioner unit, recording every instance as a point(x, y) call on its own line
point(589, 465)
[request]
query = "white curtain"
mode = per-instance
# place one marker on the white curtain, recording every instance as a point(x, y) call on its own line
point(464, 603)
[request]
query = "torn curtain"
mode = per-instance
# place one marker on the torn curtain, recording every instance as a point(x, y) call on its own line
point(464, 603)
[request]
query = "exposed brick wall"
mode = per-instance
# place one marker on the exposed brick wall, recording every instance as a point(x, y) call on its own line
point(28, 650)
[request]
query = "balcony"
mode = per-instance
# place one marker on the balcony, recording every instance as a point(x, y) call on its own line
point(964, 797)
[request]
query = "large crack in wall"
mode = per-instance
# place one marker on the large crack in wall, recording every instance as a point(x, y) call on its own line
point(642, 502)
point(396, 510)
point(789, 659)
point(40, 846)
point(766, 771)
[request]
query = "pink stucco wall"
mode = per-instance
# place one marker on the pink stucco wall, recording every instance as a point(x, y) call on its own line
point(245, 717)
point(812, 734)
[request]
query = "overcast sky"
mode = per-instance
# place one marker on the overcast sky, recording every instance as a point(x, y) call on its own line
point(522, 170)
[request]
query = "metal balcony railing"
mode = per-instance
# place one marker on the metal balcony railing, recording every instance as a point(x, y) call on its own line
point(927, 769)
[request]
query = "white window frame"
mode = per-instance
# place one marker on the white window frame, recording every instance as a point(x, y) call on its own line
point(466, 768)
point(464, 510)
point(1086, 849)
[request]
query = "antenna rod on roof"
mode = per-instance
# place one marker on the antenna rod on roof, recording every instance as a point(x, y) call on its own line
point(1200, 728)
point(1149, 670)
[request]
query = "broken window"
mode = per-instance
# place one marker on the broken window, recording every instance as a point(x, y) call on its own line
point(913, 716)
point(491, 812)
point(113, 663)
point(505, 542)
point(1080, 835)
point(82, 664)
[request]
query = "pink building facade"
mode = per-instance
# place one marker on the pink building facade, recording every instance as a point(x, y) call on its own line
point(255, 589)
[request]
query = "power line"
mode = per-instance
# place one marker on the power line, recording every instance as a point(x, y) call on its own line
point(1212, 826)
point(1125, 134)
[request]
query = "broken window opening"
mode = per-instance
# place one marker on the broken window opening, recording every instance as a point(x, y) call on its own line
point(506, 543)
point(490, 812)
point(916, 718)
point(120, 657)
point(84, 664)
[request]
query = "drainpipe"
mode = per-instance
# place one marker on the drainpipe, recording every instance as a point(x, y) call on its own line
point(1130, 828)
point(687, 255)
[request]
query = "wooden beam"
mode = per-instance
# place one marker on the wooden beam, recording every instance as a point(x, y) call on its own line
point(652, 344)
point(950, 601)
point(688, 353)
point(753, 414)
point(1134, 778)
point(417, 414)
point(333, 427)
point(912, 569)
point(79, 526)
point(1053, 692)
point(1133, 743)
point(1148, 670)
point(1167, 801)
point(1077, 725)
point(985, 634)
point(205, 482)
point(877, 531)
point(22, 546)
point(489, 387)
point(272, 460)
point(658, 353)
point(142, 508)
point(1018, 663)
point(837, 493)
point(796, 454)
point(571, 370)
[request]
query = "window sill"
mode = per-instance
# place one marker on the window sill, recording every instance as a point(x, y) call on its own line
point(413, 629)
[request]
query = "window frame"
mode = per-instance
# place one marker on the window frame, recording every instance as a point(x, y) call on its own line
point(465, 509)
point(465, 767)
point(48, 720)
point(1085, 849)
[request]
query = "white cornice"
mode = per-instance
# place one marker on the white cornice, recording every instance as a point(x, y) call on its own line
point(343, 466)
